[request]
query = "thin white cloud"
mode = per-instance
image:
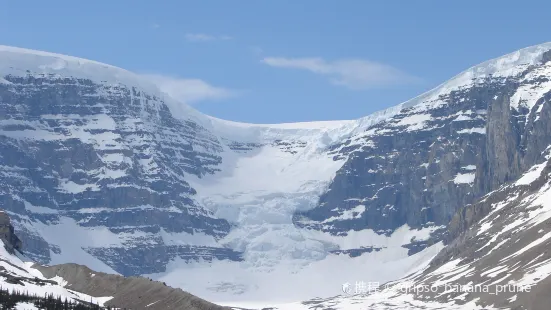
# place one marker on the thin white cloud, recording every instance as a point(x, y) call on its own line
point(201, 37)
point(351, 73)
point(190, 91)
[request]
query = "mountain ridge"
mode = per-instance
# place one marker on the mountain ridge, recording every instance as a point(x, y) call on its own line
point(525, 56)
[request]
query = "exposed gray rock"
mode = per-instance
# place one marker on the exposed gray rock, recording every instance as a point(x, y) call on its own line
point(356, 252)
point(130, 293)
point(7, 235)
point(146, 259)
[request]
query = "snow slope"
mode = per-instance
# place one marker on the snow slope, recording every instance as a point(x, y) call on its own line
point(231, 283)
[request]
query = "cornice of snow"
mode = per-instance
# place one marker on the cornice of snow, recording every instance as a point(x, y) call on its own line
point(18, 61)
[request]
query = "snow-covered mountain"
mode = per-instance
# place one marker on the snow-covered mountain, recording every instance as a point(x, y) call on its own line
point(103, 169)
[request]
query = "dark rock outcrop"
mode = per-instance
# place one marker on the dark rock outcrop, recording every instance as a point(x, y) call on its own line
point(7, 234)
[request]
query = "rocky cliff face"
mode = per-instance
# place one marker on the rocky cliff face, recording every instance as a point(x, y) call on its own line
point(89, 154)
point(7, 235)
point(444, 151)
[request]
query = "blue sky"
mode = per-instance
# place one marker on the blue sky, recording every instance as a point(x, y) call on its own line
point(277, 61)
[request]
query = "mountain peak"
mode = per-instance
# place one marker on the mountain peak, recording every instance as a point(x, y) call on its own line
point(508, 65)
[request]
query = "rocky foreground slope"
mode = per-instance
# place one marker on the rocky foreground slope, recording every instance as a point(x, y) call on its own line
point(81, 284)
point(130, 293)
point(148, 186)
